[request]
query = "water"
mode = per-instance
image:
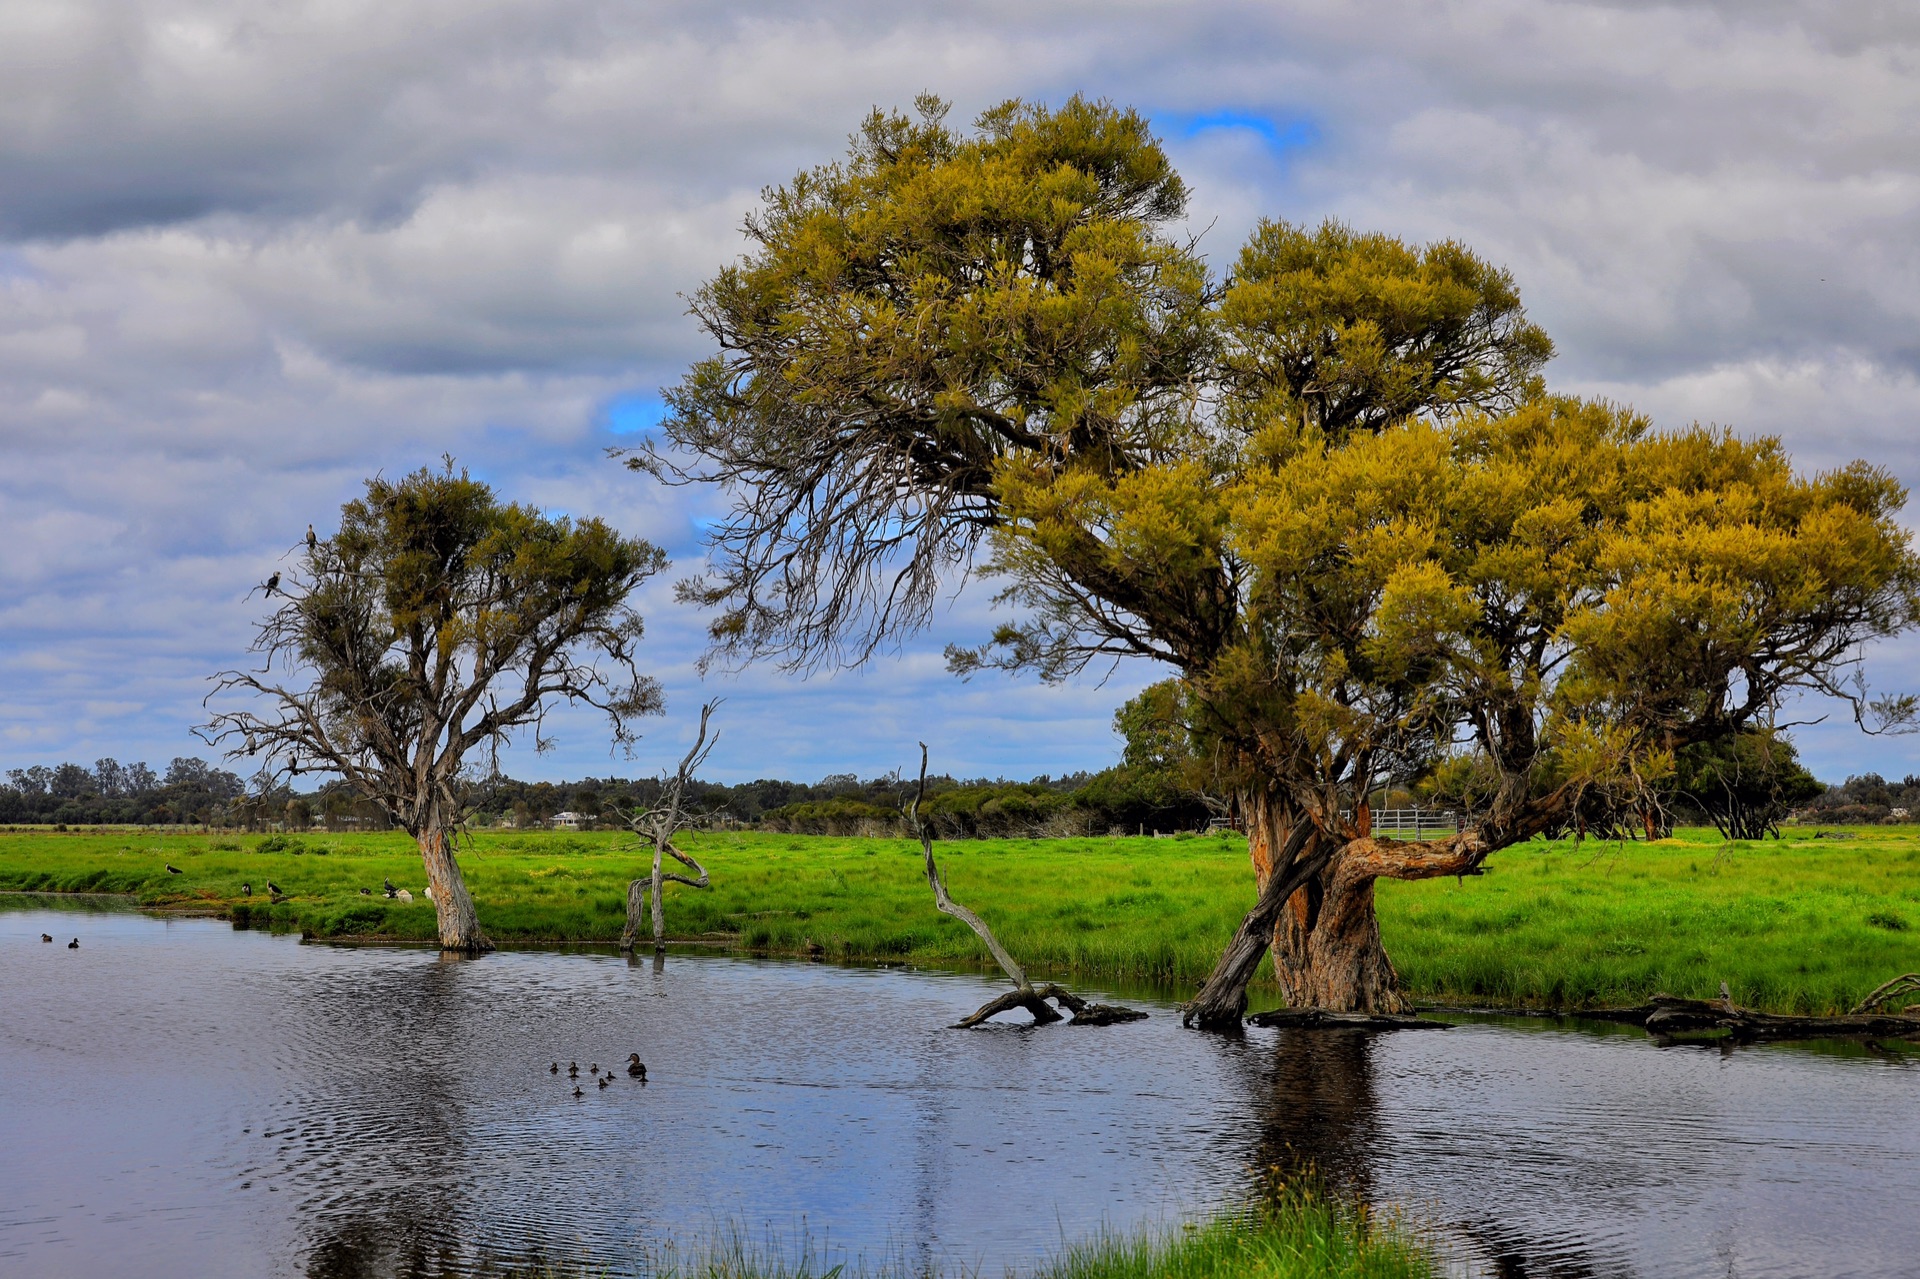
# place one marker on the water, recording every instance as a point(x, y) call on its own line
point(178, 1098)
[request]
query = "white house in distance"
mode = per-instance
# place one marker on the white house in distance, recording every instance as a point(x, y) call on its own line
point(566, 821)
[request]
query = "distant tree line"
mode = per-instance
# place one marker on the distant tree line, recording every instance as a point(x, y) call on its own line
point(190, 791)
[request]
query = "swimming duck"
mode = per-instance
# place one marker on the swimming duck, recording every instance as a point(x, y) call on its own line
point(173, 870)
point(555, 1069)
point(606, 1079)
point(46, 936)
point(74, 944)
point(594, 1069)
point(636, 1067)
point(577, 1092)
point(573, 1070)
point(246, 890)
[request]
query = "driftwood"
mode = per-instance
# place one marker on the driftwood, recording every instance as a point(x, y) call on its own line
point(1024, 993)
point(657, 826)
point(1905, 984)
point(1318, 1019)
point(1670, 1018)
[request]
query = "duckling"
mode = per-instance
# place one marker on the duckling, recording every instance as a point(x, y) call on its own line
point(246, 890)
point(46, 936)
point(594, 1069)
point(554, 1069)
point(173, 870)
point(636, 1067)
point(573, 1070)
point(606, 1079)
point(74, 944)
point(577, 1092)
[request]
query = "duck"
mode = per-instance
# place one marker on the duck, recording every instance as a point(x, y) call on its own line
point(366, 892)
point(606, 1079)
point(46, 936)
point(172, 869)
point(577, 1092)
point(573, 1070)
point(74, 944)
point(388, 885)
point(246, 890)
point(636, 1067)
point(554, 1069)
point(594, 1069)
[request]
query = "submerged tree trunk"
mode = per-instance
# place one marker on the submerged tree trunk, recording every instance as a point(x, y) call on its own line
point(459, 924)
point(636, 911)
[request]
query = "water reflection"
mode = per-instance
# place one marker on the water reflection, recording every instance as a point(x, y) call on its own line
point(186, 1100)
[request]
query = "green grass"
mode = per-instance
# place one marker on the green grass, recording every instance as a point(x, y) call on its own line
point(1290, 1231)
point(1800, 924)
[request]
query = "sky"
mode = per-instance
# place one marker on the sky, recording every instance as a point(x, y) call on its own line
point(252, 253)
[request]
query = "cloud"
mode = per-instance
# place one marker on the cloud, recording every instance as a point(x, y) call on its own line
point(250, 255)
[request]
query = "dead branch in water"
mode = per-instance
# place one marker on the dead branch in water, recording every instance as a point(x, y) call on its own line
point(1905, 984)
point(657, 826)
point(1024, 993)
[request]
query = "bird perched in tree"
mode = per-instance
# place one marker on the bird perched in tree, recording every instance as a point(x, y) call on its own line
point(273, 583)
point(312, 541)
point(46, 936)
point(74, 944)
point(173, 870)
point(246, 890)
point(636, 1067)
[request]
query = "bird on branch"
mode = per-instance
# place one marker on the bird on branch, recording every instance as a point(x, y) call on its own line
point(312, 541)
point(272, 584)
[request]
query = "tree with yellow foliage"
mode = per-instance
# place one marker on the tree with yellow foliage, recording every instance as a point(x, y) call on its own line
point(1330, 491)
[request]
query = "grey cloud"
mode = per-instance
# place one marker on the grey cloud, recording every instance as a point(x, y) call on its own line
point(250, 255)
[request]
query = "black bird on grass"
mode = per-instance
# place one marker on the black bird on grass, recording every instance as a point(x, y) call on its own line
point(172, 869)
point(391, 890)
point(275, 889)
point(636, 1067)
point(246, 890)
point(74, 944)
point(366, 892)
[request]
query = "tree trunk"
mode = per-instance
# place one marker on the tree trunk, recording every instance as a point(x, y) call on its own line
point(636, 910)
point(659, 907)
point(1326, 944)
point(459, 924)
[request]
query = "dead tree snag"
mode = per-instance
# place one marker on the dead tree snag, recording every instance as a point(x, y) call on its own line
point(657, 826)
point(1024, 993)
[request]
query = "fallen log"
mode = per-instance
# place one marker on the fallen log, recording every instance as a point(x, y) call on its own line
point(1318, 1019)
point(1668, 1017)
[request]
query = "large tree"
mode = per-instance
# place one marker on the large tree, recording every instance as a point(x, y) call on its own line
point(1329, 491)
point(432, 626)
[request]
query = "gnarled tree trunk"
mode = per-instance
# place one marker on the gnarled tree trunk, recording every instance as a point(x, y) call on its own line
point(459, 923)
point(1326, 943)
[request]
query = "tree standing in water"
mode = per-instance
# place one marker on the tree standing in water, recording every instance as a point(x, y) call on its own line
point(434, 624)
point(1329, 491)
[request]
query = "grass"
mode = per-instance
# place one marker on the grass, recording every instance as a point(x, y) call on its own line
point(1802, 924)
point(1291, 1230)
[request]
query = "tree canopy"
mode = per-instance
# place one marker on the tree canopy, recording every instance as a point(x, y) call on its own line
point(1330, 490)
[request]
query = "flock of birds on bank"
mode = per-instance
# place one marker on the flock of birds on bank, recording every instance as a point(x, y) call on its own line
point(635, 1067)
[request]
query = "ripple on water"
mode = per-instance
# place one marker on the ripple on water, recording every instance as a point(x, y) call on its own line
point(191, 1100)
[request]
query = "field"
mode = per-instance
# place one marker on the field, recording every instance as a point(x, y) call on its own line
point(1807, 923)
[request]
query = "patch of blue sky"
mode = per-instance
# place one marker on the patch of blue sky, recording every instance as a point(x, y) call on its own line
point(633, 414)
point(1282, 135)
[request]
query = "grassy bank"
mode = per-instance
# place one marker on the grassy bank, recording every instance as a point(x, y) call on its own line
point(1800, 924)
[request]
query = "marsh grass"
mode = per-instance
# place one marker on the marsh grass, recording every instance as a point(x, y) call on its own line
point(1290, 1229)
point(1795, 925)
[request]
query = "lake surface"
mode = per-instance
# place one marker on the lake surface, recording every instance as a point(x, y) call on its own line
point(180, 1098)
